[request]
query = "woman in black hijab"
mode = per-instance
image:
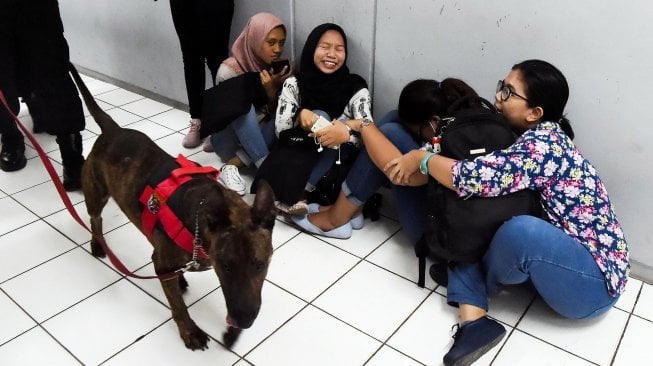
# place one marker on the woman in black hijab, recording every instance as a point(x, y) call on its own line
point(324, 87)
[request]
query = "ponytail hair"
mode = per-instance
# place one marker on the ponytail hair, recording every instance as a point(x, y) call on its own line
point(566, 127)
point(547, 88)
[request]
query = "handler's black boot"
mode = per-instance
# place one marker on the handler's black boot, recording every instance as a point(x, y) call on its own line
point(70, 146)
point(12, 155)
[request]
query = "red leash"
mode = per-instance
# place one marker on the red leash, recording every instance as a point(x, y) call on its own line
point(69, 205)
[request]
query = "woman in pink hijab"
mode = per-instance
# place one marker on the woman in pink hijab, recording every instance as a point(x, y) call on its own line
point(246, 139)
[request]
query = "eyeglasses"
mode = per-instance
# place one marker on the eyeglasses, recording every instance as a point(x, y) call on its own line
point(505, 92)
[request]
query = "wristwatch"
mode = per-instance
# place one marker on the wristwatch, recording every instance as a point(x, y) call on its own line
point(365, 122)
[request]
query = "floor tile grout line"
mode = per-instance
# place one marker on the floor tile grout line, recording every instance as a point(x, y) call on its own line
point(623, 333)
point(630, 316)
point(642, 318)
point(385, 343)
point(571, 352)
point(99, 97)
point(3, 282)
point(514, 328)
point(37, 184)
point(311, 303)
point(36, 325)
point(361, 260)
point(140, 115)
point(139, 338)
point(244, 356)
point(78, 302)
point(188, 305)
point(550, 344)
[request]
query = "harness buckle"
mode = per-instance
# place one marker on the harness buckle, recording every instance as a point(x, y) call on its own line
point(190, 266)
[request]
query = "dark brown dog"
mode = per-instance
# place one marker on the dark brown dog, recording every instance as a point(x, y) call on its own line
point(236, 237)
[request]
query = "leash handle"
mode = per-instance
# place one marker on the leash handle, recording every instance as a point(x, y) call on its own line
point(69, 205)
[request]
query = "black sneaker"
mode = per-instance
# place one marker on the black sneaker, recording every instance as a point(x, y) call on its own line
point(473, 340)
point(12, 156)
point(439, 274)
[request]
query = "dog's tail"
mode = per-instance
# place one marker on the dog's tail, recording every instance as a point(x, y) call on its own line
point(101, 117)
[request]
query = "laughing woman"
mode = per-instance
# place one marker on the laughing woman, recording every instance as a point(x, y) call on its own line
point(324, 87)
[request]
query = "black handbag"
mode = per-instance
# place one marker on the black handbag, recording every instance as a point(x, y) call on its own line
point(288, 165)
point(230, 99)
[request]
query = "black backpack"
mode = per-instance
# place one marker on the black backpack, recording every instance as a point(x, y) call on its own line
point(459, 230)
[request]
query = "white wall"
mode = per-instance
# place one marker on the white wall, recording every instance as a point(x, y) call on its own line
point(604, 48)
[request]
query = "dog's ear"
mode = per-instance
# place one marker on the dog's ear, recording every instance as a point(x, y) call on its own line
point(263, 210)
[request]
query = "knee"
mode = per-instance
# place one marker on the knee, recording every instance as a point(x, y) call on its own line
point(523, 226)
point(391, 128)
point(513, 235)
point(392, 116)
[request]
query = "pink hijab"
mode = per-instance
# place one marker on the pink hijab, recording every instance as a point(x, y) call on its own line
point(244, 52)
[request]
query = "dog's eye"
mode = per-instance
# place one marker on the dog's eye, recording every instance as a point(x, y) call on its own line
point(226, 268)
point(258, 266)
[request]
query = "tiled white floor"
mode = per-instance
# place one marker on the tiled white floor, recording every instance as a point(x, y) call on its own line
point(325, 302)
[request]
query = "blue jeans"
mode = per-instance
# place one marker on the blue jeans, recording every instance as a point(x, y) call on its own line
point(246, 132)
point(365, 178)
point(526, 248)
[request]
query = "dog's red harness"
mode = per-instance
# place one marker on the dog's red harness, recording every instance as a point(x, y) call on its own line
point(156, 208)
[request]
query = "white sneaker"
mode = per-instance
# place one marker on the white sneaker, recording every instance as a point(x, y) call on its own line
point(231, 179)
point(192, 138)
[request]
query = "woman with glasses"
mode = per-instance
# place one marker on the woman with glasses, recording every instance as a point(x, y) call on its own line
point(576, 258)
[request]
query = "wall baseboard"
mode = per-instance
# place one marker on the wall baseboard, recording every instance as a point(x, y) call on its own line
point(641, 271)
point(132, 88)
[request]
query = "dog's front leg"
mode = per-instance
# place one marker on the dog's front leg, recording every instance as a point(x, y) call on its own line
point(165, 262)
point(193, 336)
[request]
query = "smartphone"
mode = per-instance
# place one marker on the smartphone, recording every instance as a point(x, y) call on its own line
point(320, 124)
point(278, 65)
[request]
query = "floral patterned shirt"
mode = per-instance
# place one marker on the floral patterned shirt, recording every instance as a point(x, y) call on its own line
point(572, 195)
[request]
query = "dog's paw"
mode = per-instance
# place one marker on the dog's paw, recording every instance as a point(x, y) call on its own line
point(196, 339)
point(230, 336)
point(97, 250)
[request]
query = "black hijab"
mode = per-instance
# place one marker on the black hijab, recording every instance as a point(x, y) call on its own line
point(327, 92)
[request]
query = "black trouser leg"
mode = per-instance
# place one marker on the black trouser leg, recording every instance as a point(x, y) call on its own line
point(203, 28)
point(216, 18)
point(12, 155)
point(70, 146)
